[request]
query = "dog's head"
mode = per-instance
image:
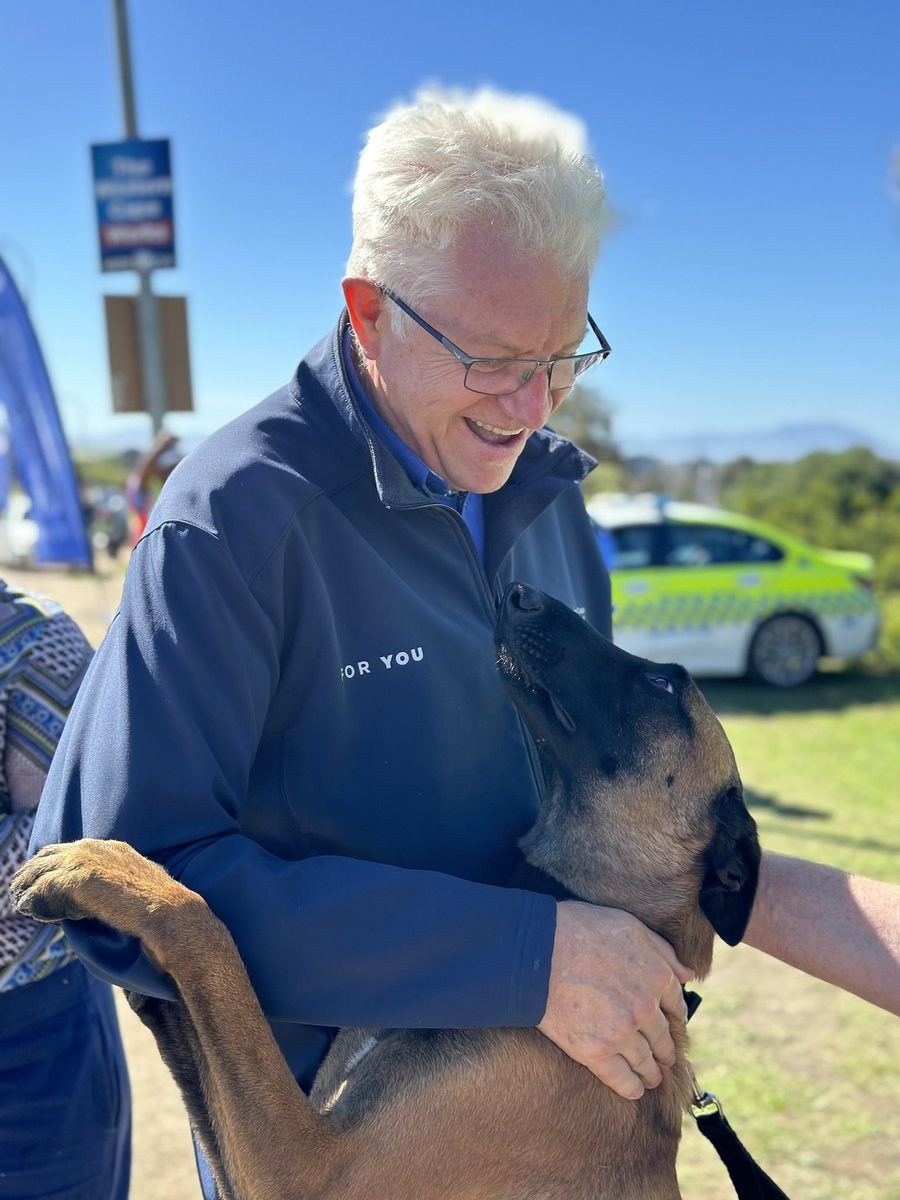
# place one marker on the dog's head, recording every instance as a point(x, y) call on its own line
point(644, 807)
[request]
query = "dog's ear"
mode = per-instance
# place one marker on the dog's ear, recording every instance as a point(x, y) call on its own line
point(732, 868)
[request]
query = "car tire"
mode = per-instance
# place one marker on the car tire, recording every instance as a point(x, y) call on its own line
point(785, 651)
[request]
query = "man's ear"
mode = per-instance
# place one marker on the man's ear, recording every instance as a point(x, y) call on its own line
point(365, 305)
point(732, 869)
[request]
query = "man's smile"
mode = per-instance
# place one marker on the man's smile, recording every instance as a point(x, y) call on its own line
point(493, 432)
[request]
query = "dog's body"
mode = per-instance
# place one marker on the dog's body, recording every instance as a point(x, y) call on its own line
point(643, 811)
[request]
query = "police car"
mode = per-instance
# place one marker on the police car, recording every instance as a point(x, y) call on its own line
point(726, 595)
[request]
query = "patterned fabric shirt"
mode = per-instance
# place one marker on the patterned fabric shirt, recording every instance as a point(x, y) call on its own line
point(43, 658)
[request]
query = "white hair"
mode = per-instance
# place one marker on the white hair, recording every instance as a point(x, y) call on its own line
point(451, 161)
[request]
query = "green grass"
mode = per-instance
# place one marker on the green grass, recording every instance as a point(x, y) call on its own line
point(821, 768)
point(808, 1074)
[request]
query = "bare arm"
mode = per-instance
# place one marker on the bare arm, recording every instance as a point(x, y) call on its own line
point(145, 468)
point(842, 928)
point(612, 981)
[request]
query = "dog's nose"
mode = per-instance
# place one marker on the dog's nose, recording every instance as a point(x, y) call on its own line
point(525, 598)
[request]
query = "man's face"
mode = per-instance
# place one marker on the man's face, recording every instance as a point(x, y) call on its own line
point(500, 305)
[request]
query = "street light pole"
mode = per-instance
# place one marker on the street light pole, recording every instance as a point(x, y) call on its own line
point(150, 349)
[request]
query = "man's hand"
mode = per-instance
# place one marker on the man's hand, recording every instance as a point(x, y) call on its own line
point(612, 982)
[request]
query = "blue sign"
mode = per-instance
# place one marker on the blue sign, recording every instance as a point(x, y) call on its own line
point(135, 218)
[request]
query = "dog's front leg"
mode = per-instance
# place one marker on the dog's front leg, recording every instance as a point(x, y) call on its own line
point(176, 1040)
point(273, 1145)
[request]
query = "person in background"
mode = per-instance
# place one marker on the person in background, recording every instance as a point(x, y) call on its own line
point(65, 1108)
point(146, 478)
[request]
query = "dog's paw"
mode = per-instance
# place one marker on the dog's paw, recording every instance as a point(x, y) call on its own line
point(46, 887)
point(106, 880)
point(111, 882)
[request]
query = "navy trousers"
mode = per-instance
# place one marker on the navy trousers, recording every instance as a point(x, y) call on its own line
point(65, 1104)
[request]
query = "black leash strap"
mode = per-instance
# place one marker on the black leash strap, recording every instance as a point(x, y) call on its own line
point(749, 1179)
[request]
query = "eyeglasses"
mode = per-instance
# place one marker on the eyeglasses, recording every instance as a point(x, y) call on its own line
point(503, 376)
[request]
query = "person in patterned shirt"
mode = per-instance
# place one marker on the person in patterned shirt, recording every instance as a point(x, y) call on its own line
point(65, 1106)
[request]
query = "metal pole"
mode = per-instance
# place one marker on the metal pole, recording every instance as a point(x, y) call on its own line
point(150, 348)
point(153, 369)
point(123, 46)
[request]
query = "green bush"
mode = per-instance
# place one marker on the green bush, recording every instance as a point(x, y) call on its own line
point(109, 471)
point(885, 658)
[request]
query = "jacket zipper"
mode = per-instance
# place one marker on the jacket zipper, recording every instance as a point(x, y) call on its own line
point(491, 595)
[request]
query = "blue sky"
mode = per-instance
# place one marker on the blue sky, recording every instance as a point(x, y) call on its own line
point(754, 277)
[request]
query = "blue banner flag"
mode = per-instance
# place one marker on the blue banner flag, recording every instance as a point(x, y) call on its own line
point(39, 447)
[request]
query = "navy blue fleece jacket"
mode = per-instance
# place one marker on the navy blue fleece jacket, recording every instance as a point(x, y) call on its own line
point(297, 711)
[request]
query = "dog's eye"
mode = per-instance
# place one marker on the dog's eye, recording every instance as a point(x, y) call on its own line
point(662, 681)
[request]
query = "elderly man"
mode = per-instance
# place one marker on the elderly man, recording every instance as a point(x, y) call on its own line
point(297, 709)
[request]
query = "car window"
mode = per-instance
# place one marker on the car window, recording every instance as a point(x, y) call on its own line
point(634, 545)
point(705, 545)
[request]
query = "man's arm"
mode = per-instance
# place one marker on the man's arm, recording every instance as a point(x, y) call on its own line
point(158, 753)
point(842, 928)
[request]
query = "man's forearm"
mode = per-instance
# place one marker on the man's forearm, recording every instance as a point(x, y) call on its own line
point(842, 928)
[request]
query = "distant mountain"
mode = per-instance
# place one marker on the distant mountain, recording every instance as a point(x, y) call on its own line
point(785, 443)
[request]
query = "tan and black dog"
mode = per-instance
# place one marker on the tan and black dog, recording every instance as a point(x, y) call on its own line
point(643, 811)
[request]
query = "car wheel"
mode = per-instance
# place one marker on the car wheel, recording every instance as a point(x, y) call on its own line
point(785, 651)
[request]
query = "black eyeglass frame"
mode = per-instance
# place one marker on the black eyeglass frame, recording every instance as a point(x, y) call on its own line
point(598, 356)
